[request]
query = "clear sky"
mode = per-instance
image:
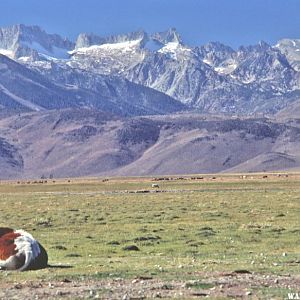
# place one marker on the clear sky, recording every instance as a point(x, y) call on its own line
point(233, 22)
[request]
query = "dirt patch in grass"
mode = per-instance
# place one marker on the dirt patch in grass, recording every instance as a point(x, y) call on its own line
point(212, 285)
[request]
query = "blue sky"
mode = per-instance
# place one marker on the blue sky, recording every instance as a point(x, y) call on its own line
point(233, 22)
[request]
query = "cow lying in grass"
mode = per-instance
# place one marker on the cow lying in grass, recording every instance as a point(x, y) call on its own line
point(20, 251)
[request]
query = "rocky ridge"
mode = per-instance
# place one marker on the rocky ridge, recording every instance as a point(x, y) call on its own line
point(211, 78)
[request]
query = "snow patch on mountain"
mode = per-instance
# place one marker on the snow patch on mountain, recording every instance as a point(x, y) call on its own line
point(8, 53)
point(108, 58)
point(208, 61)
point(122, 46)
point(56, 52)
point(227, 67)
point(173, 49)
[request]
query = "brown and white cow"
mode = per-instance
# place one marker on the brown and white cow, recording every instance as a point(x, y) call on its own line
point(20, 251)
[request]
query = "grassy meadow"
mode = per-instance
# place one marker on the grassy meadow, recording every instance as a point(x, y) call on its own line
point(182, 229)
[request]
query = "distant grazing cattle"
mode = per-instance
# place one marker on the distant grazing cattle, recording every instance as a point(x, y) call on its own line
point(20, 251)
point(155, 185)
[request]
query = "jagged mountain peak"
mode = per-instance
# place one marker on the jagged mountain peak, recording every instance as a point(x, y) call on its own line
point(30, 33)
point(131, 36)
point(32, 42)
point(213, 77)
point(23, 29)
point(260, 46)
point(169, 36)
point(291, 49)
point(290, 42)
point(215, 45)
point(263, 44)
point(215, 54)
point(90, 39)
point(18, 29)
point(161, 38)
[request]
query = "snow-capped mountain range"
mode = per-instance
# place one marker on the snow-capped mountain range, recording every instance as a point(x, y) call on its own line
point(92, 106)
point(152, 73)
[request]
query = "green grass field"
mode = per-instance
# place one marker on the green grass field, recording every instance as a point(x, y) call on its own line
point(193, 226)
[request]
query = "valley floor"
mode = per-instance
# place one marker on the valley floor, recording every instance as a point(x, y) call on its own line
point(214, 236)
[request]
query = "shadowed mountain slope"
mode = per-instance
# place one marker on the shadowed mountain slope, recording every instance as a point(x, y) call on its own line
point(23, 89)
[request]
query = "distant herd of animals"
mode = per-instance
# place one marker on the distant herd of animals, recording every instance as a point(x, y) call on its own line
point(20, 251)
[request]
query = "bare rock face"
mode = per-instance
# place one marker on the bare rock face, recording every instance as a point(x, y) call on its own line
point(168, 36)
point(215, 78)
point(32, 43)
point(290, 48)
